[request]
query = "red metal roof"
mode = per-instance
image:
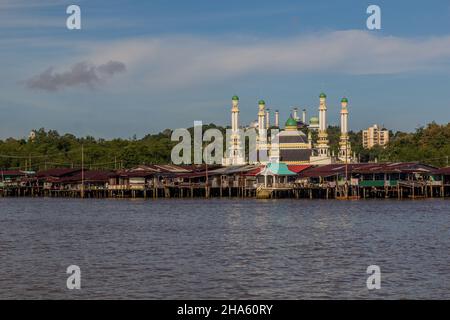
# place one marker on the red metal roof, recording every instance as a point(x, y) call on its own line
point(159, 169)
point(254, 172)
point(12, 173)
point(393, 167)
point(133, 174)
point(196, 174)
point(89, 176)
point(298, 168)
point(57, 172)
point(443, 171)
point(323, 171)
point(367, 168)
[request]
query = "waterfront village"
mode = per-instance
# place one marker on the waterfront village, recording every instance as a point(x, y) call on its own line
point(297, 166)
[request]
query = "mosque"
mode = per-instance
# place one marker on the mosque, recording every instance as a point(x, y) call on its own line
point(292, 145)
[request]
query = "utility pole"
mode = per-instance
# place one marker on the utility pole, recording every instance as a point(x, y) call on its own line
point(346, 170)
point(206, 172)
point(82, 171)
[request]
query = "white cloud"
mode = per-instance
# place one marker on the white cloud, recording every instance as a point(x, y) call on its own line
point(183, 61)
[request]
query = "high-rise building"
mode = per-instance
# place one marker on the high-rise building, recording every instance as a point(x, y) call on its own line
point(374, 136)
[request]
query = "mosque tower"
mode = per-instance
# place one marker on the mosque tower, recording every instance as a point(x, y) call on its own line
point(261, 115)
point(295, 115)
point(235, 152)
point(322, 149)
point(345, 150)
point(262, 132)
point(322, 145)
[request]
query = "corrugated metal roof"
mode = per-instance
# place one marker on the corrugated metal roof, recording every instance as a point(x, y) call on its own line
point(89, 176)
point(367, 168)
point(57, 172)
point(13, 173)
point(443, 171)
point(298, 167)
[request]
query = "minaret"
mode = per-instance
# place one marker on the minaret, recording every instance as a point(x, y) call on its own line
point(235, 153)
point(295, 115)
point(262, 132)
point(261, 114)
point(267, 118)
point(322, 146)
point(304, 116)
point(345, 150)
point(277, 119)
point(235, 114)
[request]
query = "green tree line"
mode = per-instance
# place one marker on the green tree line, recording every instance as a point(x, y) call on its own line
point(49, 149)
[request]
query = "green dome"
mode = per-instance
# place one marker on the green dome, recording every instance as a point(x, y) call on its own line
point(235, 98)
point(344, 100)
point(314, 120)
point(291, 122)
point(322, 95)
point(261, 102)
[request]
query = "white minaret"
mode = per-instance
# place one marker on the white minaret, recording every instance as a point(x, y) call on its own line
point(235, 114)
point(262, 132)
point(267, 118)
point(235, 153)
point(304, 116)
point(277, 119)
point(261, 115)
point(345, 150)
point(295, 115)
point(322, 146)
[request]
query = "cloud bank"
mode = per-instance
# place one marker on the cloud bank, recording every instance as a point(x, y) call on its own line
point(171, 62)
point(183, 61)
point(81, 73)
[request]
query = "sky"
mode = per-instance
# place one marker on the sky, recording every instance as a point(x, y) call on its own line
point(138, 67)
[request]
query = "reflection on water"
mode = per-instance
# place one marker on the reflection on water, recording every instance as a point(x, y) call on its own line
point(205, 249)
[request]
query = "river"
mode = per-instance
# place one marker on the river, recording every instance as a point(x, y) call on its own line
point(224, 248)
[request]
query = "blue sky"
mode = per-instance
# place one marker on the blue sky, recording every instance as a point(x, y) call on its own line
point(174, 62)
